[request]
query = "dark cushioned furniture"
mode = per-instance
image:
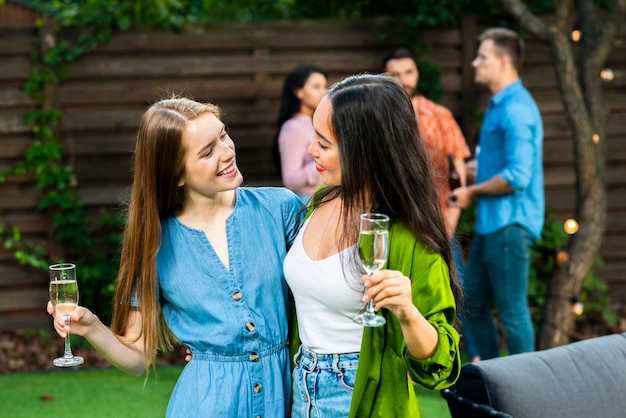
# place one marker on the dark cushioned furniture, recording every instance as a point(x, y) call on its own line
point(586, 379)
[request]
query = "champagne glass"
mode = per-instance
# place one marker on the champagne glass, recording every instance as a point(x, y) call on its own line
point(64, 298)
point(373, 248)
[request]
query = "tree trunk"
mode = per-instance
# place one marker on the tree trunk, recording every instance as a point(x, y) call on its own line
point(581, 94)
point(558, 324)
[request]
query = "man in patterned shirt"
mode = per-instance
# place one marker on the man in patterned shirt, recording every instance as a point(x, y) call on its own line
point(438, 129)
point(442, 137)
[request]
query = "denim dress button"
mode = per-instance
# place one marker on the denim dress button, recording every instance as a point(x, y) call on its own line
point(250, 326)
point(237, 296)
point(258, 388)
point(254, 357)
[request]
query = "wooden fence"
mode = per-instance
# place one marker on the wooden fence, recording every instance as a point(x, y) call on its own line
point(241, 67)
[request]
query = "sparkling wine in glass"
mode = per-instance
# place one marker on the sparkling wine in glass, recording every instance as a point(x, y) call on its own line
point(64, 298)
point(373, 246)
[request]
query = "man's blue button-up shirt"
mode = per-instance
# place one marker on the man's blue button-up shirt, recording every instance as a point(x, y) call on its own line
point(511, 141)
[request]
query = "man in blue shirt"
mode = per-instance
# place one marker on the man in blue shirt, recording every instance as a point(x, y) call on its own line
point(509, 199)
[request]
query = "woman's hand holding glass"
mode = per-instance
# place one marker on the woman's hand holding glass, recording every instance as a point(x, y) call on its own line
point(390, 289)
point(80, 321)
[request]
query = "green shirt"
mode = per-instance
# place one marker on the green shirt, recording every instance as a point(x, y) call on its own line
point(382, 387)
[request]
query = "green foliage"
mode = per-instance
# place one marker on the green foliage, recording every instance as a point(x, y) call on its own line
point(465, 227)
point(207, 11)
point(26, 253)
point(544, 261)
point(109, 16)
point(595, 298)
point(43, 335)
point(99, 265)
point(417, 13)
point(121, 15)
point(429, 83)
point(172, 14)
point(547, 253)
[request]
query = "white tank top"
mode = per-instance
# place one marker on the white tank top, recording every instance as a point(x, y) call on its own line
point(325, 302)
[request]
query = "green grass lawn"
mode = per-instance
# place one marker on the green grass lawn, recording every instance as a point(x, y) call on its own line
point(95, 393)
point(109, 393)
point(431, 403)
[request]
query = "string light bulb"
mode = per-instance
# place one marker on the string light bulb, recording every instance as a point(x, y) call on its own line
point(607, 74)
point(570, 226)
point(595, 138)
point(562, 256)
point(577, 306)
point(576, 34)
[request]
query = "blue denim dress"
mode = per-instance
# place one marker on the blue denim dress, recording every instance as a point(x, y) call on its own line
point(234, 321)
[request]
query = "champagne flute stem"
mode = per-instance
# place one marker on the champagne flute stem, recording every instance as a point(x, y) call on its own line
point(68, 349)
point(370, 307)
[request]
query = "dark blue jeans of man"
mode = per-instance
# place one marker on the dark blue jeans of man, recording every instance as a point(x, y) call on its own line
point(497, 271)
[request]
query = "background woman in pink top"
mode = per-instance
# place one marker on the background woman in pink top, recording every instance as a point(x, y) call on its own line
point(303, 89)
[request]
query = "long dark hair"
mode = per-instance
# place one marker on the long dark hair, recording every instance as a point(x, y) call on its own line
point(290, 104)
point(384, 165)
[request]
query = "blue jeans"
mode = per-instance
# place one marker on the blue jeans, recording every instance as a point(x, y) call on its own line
point(323, 384)
point(498, 268)
point(466, 332)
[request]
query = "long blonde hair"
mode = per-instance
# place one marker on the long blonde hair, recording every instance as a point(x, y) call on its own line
point(155, 194)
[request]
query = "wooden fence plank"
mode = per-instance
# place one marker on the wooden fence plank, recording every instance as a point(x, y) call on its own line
point(30, 320)
point(15, 68)
point(11, 123)
point(28, 223)
point(87, 143)
point(614, 275)
point(13, 146)
point(14, 97)
point(24, 299)
point(203, 65)
point(616, 197)
point(145, 91)
point(17, 16)
point(17, 197)
point(15, 276)
point(273, 35)
point(613, 247)
point(102, 195)
point(15, 41)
